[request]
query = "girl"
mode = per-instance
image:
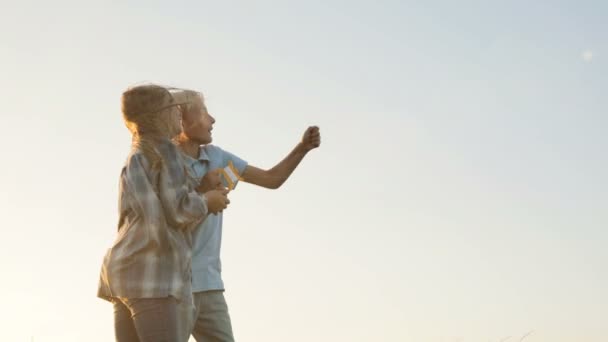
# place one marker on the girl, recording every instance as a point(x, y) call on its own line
point(147, 273)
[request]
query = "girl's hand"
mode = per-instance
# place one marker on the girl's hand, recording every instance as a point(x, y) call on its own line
point(217, 200)
point(211, 181)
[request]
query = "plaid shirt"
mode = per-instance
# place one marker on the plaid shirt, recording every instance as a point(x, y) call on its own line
point(151, 257)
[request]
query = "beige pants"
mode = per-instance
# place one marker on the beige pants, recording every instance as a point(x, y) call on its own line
point(185, 314)
point(208, 318)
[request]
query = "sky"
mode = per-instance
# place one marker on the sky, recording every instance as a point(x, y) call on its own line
point(459, 193)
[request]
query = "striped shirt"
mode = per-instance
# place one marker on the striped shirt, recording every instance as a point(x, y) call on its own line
point(151, 256)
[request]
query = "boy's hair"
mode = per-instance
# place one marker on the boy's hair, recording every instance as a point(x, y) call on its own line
point(145, 110)
point(190, 99)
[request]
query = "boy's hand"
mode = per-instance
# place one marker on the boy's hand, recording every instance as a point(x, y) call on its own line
point(311, 138)
point(217, 200)
point(211, 181)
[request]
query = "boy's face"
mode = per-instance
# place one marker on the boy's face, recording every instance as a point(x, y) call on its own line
point(198, 124)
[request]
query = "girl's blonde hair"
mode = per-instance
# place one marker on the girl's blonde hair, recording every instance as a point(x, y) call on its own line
point(146, 110)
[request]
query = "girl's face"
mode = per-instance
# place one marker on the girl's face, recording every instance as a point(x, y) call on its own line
point(198, 124)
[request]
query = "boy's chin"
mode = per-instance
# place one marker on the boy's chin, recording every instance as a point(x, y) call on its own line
point(200, 140)
point(205, 141)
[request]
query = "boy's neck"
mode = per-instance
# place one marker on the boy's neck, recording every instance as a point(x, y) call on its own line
point(189, 147)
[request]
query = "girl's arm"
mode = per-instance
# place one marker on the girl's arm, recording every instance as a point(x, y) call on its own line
point(163, 195)
point(183, 205)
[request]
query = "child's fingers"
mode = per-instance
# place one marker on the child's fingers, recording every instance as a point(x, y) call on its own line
point(312, 136)
point(312, 130)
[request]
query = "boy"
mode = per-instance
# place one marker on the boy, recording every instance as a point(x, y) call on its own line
point(212, 321)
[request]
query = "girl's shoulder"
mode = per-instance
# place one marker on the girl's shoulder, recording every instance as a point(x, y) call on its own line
point(136, 158)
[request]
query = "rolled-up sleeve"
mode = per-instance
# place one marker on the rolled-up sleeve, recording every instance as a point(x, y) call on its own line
point(183, 206)
point(164, 192)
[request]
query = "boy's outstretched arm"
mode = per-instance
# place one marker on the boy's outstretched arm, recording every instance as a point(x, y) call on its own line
point(275, 177)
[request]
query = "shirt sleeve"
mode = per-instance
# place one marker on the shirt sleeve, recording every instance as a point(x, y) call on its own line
point(227, 157)
point(183, 206)
point(137, 184)
point(164, 195)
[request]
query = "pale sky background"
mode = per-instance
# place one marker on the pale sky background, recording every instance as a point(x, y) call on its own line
point(459, 194)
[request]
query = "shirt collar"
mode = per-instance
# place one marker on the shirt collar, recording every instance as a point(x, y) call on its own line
point(202, 154)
